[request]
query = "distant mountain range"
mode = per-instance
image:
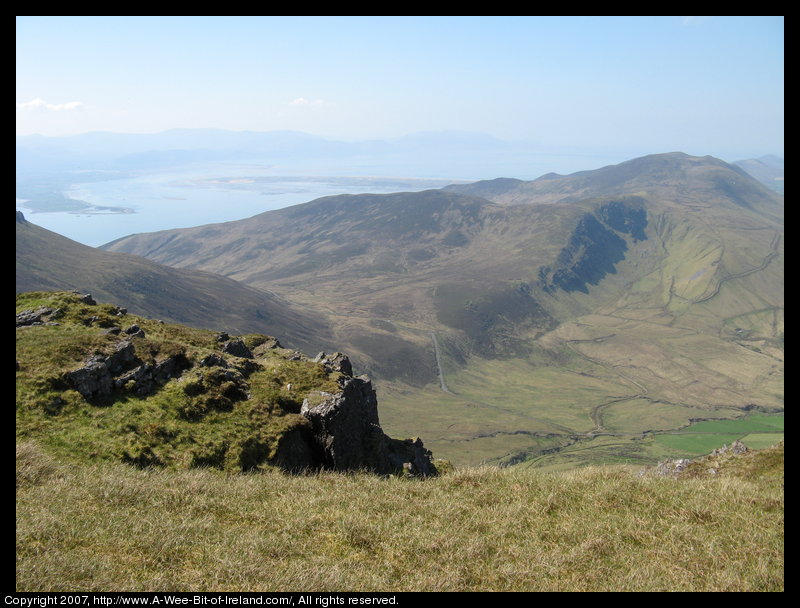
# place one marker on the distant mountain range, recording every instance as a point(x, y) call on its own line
point(766, 169)
point(120, 151)
point(602, 305)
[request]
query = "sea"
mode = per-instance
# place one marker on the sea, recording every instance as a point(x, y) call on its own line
point(208, 193)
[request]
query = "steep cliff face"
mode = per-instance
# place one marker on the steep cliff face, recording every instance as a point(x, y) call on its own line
point(595, 247)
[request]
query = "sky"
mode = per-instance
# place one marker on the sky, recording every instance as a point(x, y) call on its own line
point(701, 85)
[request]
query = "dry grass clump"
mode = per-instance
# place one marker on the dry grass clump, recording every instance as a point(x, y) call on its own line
point(114, 527)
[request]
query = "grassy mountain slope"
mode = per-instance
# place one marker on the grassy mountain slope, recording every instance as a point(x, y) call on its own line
point(596, 313)
point(84, 527)
point(95, 383)
point(47, 261)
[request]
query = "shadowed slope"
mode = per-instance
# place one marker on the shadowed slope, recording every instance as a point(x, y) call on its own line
point(48, 261)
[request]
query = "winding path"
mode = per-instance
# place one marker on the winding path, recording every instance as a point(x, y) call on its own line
point(439, 363)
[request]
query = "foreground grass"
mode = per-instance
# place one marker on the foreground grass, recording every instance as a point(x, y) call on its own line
point(113, 527)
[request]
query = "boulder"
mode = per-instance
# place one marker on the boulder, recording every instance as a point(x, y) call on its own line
point(93, 379)
point(337, 362)
point(237, 348)
point(134, 331)
point(40, 316)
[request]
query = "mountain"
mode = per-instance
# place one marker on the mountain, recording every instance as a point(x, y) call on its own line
point(105, 150)
point(47, 261)
point(767, 169)
point(557, 321)
point(675, 176)
point(37, 154)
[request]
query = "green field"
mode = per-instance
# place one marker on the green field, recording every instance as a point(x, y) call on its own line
point(756, 431)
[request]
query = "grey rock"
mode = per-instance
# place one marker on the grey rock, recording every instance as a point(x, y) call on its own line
point(237, 348)
point(347, 434)
point(672, 467)
point(736, 448)
point(38, 316)
point(411, 456)
point(337, 362)
point(171, 367)
point(147, 378)
point(134, 331)
point(123, 357)
point(102, 374)
point(213, 360)
point(142, 378)
point(93, 379)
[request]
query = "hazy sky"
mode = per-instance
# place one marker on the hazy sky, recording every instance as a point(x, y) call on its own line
point(701, 85)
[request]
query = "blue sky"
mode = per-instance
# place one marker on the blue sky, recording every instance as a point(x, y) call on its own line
point(702, 85)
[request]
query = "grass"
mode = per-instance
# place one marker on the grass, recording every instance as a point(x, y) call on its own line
point(113, 527)
point(230, 415)
point(756, 431)
point(692, 445)
point(203, 509)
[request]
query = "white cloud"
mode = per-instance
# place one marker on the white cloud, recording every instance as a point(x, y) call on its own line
point(302, 101)
point(41, 104)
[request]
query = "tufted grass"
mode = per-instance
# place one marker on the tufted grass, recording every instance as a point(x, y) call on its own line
point(108, 526)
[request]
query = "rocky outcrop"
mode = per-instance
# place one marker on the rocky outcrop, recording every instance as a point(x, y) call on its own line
point(43, 315)
point(100, 375)
point(337, 362)
point(736, 448)
point(672, 467)
point(709, 464)
point(237, 348)
point(248, 387)
point(346, 433)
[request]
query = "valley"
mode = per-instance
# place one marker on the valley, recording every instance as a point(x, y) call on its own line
point(575, 317)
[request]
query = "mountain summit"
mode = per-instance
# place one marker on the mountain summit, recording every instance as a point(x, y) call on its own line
point(678, 177)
